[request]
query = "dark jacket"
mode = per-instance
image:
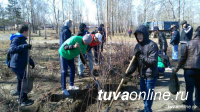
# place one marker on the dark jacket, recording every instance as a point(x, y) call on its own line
point(103, 35)
point(19, 52)
point(186, 34)
point(64, 34)
point(175, 39)
point(162, 41)
point(81, 30)
point(191, 54)
point(147, 61)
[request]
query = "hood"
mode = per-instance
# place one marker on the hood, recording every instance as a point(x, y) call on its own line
point(144, 30)
point(12, 36)
point(82, 27)
point(67, 23)
point(64, 27)
point(197, 33)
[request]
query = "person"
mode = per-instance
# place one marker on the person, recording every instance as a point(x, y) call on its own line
point(69, 50)
point(86, 30)
point(96, 40)
point(64, 35)
point(82, 30)
point(130, 32)
point(190, 59)
point(97, 52)
point(65, 32)
point(19, 53)
point(163, 44)
point(103, 33)
point(186, 34)
point(146, 60)
point(175, 39)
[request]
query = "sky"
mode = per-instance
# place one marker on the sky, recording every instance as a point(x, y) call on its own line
point(92, 10)
point(89, 5)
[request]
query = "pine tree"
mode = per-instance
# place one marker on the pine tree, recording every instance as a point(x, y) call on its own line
point(14, 12)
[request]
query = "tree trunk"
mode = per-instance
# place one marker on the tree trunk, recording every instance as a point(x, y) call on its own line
point(73, 16)
point(183, 9)
point(45, 36)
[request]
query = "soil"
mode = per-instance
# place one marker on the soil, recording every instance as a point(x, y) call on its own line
point(47, 92)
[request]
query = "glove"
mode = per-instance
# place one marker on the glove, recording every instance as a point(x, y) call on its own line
point(29, 46)
point(137, 52)
point(33, 66)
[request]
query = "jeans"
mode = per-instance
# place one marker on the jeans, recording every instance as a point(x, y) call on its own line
point(197, 99)
point(21, 74)
point(147, 86)
point(97, 53)
point(80, 64)
point(102, 43)
point(64, 63)
point(190, 81)
point(175, 52)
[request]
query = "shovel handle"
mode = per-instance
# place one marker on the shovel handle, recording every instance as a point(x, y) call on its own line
point(130, 64)
point(88, 67)
point(120, 84)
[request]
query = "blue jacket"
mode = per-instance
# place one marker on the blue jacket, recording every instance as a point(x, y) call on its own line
point(65, 33)
point(19, 51)
point(175, 39)
point(87, 32)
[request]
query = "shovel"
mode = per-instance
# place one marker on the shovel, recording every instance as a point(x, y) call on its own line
point(120, 84)
point(94, 78)
point(27, 82)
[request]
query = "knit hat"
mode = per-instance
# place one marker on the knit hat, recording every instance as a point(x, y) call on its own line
point(99, 36)
point(87, 38)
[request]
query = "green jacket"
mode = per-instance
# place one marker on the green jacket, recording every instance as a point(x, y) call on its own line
point(160, 63)
point(71, 54)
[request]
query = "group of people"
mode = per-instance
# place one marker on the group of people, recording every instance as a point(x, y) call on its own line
point(146, 57)
point(146, 61)
point(69, 49)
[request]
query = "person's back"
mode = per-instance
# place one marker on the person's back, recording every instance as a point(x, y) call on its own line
point(162, 41)
point(193, 50)
point(65, 32)
point(82, 29)
point(190, 59)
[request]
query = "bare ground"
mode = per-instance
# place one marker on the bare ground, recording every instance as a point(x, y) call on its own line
point(47, 90)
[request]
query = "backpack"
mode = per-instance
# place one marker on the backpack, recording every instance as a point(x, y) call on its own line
point(8, 57)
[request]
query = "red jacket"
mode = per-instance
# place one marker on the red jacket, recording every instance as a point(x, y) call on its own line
point(93, 43)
